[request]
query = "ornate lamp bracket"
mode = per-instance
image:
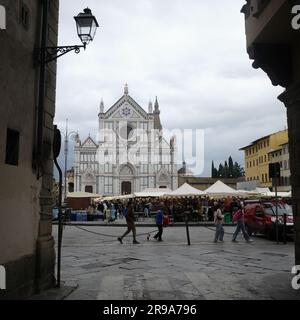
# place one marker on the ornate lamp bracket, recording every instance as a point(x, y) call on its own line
point(49, 54)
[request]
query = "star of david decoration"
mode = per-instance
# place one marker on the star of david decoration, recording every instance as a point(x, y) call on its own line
point(126, 112)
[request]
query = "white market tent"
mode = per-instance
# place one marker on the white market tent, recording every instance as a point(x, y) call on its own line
point(248, 193)
point(121, 197)
point(186, 190)
point(220, 189)
point(82, 195)
point(267, 193)
point(152, 192)
point(262, 191)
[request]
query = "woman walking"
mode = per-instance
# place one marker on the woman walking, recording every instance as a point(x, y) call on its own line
point(239, 217)
point(218, 220)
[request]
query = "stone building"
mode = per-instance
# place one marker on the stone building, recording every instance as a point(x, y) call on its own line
point(257, 160)
point(26, 161)
point(281, 156)
point(272, 32)
point(130, 153)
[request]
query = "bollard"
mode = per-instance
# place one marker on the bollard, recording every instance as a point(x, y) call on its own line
point(187, 230)
point(284, 228)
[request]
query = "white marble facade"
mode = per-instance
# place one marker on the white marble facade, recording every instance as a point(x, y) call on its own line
point(130, 153)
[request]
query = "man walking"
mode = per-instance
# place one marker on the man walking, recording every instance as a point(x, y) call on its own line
point(130, 223)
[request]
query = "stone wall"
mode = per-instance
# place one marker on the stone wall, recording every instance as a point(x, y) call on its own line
point(27, 245)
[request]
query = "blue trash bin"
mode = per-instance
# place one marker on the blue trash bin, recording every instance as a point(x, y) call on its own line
point(73, 216)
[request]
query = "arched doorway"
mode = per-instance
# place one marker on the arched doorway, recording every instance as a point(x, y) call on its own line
point(88, 189)
point(126, 179)
point(126, 187)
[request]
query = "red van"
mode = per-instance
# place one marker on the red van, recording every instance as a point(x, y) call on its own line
point(260, 218)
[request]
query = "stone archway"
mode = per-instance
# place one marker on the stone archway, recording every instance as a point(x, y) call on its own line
point(126, 174)
point(163, 181)
point(89, 183)
point(126, 187)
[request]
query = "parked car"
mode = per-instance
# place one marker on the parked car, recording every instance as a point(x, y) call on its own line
point(260, 218)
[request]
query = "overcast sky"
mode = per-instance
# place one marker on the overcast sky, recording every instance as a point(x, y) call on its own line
point(189, 53)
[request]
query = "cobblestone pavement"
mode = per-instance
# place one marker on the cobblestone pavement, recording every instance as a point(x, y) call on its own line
point(99, 267)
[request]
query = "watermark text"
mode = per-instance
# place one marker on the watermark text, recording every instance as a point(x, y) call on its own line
point(2, 278)
point(296, 278)
point(296, 17)
point(2, 18)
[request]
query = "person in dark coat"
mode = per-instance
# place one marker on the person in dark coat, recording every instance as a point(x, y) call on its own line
point(159, 222)
point(130, 223)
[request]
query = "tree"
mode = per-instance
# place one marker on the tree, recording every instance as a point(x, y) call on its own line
point(214, 171)
point(221, 171)
point(230, 167)
point(226, 170)
point(238, 171)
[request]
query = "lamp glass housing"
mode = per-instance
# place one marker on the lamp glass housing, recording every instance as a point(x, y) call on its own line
point(86, 25)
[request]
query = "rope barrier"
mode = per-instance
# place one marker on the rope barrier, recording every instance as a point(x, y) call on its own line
point(106, 235)
point(214, 230)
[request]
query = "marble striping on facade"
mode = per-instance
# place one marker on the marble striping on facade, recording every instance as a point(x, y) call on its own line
point(130, 153)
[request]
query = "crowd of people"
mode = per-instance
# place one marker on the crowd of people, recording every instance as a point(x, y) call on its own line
point(198, 209)
point(175, 209)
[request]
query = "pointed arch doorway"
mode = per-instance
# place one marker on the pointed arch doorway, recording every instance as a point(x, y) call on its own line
point(126, 179)
point(125, 187)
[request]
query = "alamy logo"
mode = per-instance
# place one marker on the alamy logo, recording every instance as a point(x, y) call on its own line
point(296, 278)
point(2, 278)
point(2, 17)
point(296, 18)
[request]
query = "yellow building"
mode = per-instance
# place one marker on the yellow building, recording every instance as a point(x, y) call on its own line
point(257, 157)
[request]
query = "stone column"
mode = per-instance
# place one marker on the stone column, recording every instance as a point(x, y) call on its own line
point(291, 99)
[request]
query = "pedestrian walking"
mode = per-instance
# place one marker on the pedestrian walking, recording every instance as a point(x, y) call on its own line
point(123, 211)
point(219, 220)
point(239, 217)
point(113, 213)
point(146, 212)
point(130, 223)
point(159, 222)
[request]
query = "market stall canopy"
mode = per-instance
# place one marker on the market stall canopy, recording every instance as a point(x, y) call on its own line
point(186, 190)
point(248, 193)
point(265, 192)
point(121, 197)
point(221, 189)
point(262, 191)
point(82, 195)
point(152, 192)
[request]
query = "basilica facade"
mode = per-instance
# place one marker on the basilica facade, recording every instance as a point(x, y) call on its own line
point(130, 153)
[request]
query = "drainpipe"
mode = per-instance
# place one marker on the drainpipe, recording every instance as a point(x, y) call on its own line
point(41, 97)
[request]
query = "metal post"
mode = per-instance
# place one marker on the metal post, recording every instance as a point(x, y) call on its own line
point(284, 228)
point(276, 208)
point(66, 158)
point(60, 220)
point(187, 229)
point(41, 95)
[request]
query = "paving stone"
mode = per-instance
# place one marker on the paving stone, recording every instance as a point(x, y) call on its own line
point(104, 269)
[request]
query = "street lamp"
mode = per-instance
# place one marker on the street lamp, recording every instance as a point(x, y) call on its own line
point(86, 25)
point(66, 151)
